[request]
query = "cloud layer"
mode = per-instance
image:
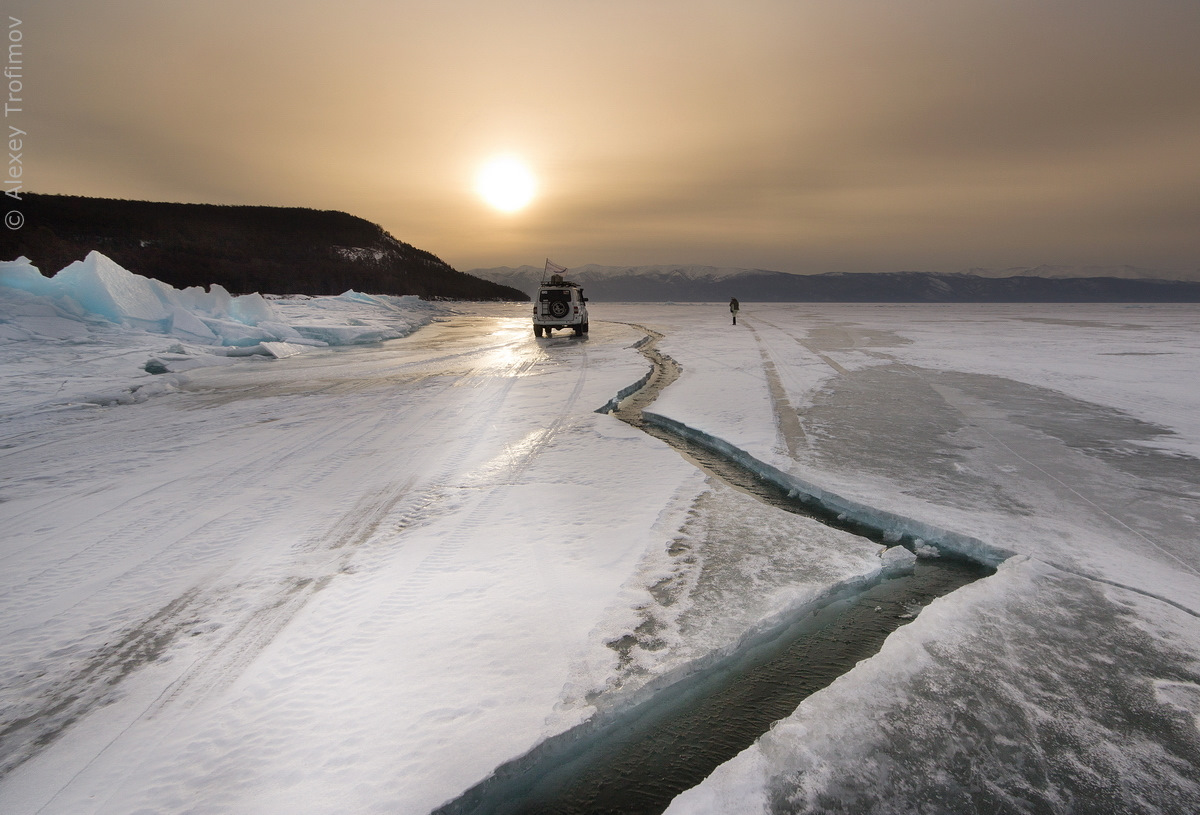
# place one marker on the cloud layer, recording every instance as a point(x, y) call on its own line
point(801, 136)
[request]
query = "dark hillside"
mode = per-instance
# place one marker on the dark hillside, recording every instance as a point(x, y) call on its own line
point(281, 250)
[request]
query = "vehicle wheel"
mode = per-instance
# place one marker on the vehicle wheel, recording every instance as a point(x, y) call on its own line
point(537, 331)
point(585, 328)
point(559, 309)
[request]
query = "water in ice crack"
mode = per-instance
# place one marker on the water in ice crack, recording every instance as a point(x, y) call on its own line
point(637, 759)
point(640, 759)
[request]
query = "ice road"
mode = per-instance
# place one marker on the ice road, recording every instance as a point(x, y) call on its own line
point(359, 578)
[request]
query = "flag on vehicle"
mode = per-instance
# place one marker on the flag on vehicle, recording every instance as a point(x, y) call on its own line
point(552, 268)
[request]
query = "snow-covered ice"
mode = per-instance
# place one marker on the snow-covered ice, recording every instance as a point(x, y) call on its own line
point(363, 566)
point(1067, 434)
point(352, 579)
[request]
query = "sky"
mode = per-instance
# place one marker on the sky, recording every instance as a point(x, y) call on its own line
point(797, 135)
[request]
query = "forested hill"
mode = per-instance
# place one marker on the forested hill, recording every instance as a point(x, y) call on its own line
point(281, 250)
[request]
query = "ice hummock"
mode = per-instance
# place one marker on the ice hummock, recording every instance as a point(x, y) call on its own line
point(124, 325)
point(98, 292)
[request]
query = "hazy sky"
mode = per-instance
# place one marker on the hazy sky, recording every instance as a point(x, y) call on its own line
point(799, 135)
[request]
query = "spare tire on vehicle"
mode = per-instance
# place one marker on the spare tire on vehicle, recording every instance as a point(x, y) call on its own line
point(559, 309)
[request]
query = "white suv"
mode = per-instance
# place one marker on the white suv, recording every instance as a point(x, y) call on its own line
point(560, 304)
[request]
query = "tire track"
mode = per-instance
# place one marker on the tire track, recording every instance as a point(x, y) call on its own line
point(251, 613)
point(312, 564)
point(806, 345)
point(170, 531)
point(28, 728)
point(787, 418)
point(409, 593)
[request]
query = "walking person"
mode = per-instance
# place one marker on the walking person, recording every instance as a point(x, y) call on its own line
point(733, 308)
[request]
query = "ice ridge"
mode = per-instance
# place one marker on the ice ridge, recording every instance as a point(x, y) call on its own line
point(97, 291)
point(887, 526)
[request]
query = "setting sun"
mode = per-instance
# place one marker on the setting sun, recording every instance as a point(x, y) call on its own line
point(506, 183)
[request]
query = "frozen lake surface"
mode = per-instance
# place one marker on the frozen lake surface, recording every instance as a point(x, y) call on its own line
point(360, 577)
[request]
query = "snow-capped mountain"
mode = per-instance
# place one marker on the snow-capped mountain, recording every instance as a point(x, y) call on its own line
point(628, 282)
point(1126, 272)
point(714, 284)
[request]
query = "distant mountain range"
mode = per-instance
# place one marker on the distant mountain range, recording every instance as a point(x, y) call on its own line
point(1127, 272)
point(708, 284)
point(278, 250)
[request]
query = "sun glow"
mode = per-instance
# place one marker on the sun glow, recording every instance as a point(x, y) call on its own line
point(506, 183)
